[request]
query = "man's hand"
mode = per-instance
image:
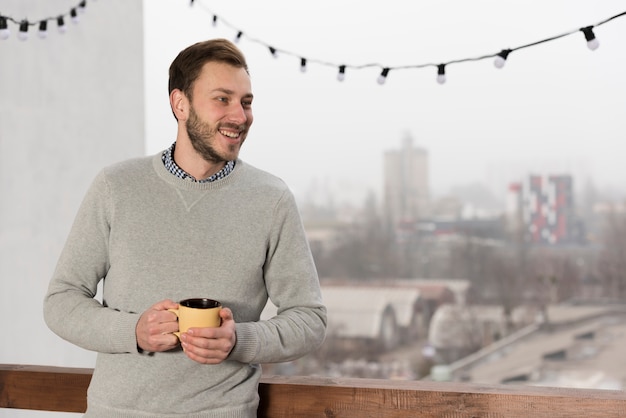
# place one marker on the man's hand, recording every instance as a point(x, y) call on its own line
point(211, 345)
point(155, 327)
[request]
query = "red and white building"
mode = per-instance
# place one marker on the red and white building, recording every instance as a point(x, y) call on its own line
point(543, 206)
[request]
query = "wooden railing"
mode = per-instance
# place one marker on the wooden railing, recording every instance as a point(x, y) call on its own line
point(64, 389)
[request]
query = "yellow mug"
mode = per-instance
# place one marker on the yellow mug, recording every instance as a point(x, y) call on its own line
point(197, 313)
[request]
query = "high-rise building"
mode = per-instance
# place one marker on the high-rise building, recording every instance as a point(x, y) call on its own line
point(547, 209)
point(406, 191)
point(513, 209)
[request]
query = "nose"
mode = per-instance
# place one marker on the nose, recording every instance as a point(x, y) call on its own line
point(239, 114)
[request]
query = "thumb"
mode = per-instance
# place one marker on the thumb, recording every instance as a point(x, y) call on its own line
point(226, 314)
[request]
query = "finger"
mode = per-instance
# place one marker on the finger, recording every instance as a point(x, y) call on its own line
point(157, 337)
point(205, 351)
point(168, 340)
point(199, 334)
point(164, 305)
point(168, 326)
point(226, 314)
point(157, 317)
point(200, 359)
point(208, 340)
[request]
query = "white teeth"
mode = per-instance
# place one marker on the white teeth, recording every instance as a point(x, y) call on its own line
point(230, 134)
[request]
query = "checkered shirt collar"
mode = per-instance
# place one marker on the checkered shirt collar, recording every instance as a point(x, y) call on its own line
point(172, 167)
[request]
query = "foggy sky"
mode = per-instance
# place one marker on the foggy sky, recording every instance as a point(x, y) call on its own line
point(554, 108)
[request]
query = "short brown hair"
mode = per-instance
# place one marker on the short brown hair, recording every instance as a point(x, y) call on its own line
point(187, 66)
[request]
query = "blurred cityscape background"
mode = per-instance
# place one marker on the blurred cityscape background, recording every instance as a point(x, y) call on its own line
point(530, 288)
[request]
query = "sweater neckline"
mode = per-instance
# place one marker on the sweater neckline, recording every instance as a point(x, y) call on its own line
point(188, 183)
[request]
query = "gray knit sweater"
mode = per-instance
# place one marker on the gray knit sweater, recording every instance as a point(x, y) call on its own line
point(151, 235)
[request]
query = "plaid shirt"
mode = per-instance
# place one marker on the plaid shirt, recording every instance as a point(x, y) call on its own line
point(173, 168)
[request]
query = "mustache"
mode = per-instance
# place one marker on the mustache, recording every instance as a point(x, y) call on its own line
point(234, 126)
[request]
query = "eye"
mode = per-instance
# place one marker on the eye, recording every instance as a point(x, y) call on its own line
point(246, 103)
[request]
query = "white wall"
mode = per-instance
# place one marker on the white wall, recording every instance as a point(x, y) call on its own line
point(69, 105)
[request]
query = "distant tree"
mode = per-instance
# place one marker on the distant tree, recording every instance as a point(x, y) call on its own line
point(611, 262)
point(365, 252)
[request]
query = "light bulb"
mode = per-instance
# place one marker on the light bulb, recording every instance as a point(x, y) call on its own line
point(383, 76)
point(22, 35)
point(273, 51)
point(592, 42)
point(303, 65)
point(4, 28)
point(341, 75)
point(43, 29)
point(441, 73)
point(238, 37)
point(61, 25)
point(74, 16)
point(501, 57)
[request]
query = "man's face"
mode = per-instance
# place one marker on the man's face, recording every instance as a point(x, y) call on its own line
point(221, 112)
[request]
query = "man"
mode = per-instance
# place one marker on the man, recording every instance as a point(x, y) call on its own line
point(193, 221)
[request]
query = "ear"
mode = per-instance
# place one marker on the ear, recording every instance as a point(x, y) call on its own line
point(179, 104)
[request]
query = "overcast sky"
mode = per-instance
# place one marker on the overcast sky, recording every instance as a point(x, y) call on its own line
point(555, 108)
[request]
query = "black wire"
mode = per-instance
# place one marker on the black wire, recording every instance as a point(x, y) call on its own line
point(83, 4)
point(402, 67)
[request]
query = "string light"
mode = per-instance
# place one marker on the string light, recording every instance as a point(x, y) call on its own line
point(43, 29)
point(499, 58)
point(74, 16)
point(441, 73)
point(383, 76)
point(61, 25)
point(4, 28)
point(592, 42)
point(341, 75)
point(42, 24)
point(22, 35)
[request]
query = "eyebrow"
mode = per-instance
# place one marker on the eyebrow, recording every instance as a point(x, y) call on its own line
point(231, 92)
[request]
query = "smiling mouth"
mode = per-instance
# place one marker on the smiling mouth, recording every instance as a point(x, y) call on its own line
point(229, 134)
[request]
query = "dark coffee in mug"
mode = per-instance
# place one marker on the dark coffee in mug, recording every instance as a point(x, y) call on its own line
point(200, 303)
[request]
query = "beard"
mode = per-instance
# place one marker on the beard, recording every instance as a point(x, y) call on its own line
point(202, 136)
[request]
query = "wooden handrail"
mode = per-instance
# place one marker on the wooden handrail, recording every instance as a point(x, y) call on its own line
point(44, 388)
point(64, 389)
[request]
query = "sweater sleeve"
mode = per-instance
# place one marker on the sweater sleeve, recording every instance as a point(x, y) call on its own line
point(70, 307)
point(293, 286)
